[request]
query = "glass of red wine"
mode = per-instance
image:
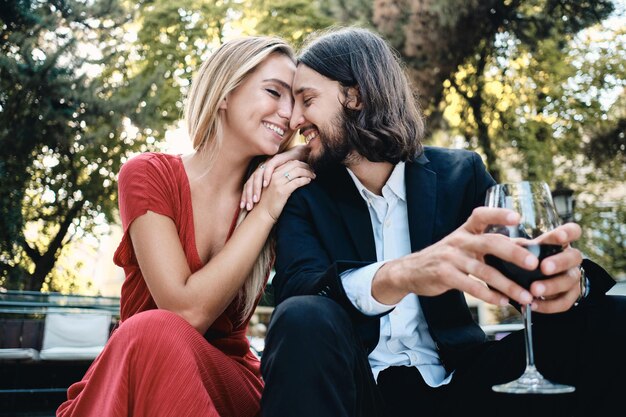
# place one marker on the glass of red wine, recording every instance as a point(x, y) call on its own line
point(533, 201)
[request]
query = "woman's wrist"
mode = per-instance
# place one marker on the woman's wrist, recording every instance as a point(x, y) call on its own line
point(261, 214)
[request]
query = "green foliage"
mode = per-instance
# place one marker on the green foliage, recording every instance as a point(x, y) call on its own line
point(290, 19)
point(604, 237)
point(62, 127)
point(539, 101)
point(86, 83)
point(83, 85)
point(165, 42)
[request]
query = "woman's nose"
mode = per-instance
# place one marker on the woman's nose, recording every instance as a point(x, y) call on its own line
point(285, 109)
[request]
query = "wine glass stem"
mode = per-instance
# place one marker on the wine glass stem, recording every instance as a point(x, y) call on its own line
point(528, 336)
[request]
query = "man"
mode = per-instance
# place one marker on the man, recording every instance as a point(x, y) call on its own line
point(374, 256)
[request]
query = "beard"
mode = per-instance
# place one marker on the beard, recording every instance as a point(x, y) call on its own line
point(335, 146)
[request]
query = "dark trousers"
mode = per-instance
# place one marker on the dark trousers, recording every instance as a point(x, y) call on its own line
point(313, 364)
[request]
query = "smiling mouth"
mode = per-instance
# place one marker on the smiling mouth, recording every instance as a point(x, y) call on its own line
point(308, 138)
point(277, 129)
point(309, 134)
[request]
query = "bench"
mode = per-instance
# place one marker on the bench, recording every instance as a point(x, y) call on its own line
point(53, 326)
point(47, 342)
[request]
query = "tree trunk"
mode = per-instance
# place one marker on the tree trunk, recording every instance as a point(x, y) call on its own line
point(46, 261)
point(435, 37)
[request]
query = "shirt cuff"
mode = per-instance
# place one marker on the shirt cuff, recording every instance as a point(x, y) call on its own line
point(357, 283)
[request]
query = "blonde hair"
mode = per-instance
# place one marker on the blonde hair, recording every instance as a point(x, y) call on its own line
point(222, 73)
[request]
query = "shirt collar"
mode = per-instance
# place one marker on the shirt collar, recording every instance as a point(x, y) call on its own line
point(395, 182)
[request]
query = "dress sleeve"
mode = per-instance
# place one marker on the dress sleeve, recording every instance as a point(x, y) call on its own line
point(144, 183)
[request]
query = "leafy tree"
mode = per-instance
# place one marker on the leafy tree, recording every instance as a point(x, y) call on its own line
point(83, 85)
point(81, 91)
point(62, 129)
point(86, 83)
point(290, 19)
point(603, 238)
point(461, 42)
point(539, 111)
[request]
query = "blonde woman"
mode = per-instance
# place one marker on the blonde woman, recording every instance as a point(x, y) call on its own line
point(195, 260)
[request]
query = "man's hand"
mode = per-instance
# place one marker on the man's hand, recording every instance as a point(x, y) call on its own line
point(457, 262)
point(559, 292)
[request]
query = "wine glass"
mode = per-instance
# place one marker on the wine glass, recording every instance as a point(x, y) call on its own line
point(533, 201)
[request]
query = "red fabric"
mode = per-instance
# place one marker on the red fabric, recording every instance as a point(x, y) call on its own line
point(155, 363)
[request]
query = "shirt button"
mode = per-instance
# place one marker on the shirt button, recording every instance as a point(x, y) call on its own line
point(387, 223)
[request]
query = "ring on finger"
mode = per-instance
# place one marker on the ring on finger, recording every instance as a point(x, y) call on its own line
point(262, 166)
point(287, 176)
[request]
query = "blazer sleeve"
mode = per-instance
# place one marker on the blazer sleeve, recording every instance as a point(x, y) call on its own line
point(600, 281)
point(303, 267)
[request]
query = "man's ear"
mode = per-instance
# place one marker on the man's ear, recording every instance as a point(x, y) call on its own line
point(353, 99)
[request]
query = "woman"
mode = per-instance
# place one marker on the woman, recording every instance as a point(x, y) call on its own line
point(195, 260)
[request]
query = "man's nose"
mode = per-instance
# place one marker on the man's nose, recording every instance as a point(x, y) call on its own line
point(297, 118)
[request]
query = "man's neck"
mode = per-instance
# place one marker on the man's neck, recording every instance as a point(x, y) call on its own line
point(373, 175)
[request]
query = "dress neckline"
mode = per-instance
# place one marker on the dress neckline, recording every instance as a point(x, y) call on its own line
point(187, 191)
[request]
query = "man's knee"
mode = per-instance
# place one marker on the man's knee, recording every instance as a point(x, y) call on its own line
point(308, 325)
point(311, 347)
point(309, 314)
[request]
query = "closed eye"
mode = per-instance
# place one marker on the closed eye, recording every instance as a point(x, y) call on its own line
point(273, 92)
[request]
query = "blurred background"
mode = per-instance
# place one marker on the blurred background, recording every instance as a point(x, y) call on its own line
point(537, 87)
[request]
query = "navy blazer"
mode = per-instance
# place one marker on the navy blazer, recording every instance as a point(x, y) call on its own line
point(325, 229)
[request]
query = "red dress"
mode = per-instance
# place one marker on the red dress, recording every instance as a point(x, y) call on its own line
point(155, 363)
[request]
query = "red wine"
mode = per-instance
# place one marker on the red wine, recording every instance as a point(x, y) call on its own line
point(522, 276)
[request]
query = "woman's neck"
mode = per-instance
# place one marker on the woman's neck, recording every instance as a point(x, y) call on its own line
point(225, 170)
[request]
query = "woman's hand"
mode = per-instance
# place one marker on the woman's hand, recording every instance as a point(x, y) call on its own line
point(284, 181)
point(262, 176)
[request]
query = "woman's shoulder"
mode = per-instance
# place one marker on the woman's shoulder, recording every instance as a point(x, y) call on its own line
point(150, 181)
point(154, 159)
point(151, 164)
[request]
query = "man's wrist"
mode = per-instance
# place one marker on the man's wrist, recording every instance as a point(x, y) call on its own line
point(357, 284)
point(384, 288)
point(584, 285)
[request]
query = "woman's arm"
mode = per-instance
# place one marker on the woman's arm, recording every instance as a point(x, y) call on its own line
point(203, 296)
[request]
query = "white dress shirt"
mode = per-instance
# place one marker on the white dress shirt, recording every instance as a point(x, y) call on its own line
point(404, 337)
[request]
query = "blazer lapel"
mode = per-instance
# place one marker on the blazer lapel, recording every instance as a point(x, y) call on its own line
point(421, 191)
point(421, 197)
point(449, 320)
point(354, 212)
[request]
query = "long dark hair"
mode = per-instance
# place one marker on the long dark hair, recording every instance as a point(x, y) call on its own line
point(389, 127)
